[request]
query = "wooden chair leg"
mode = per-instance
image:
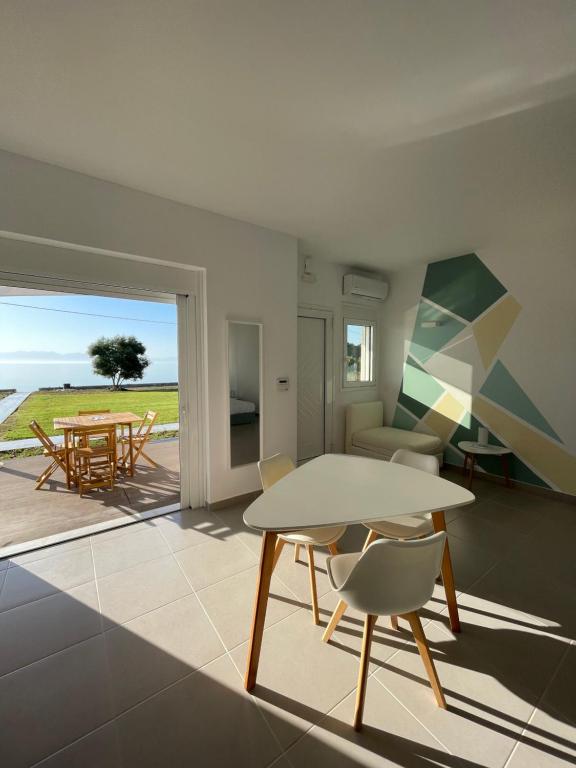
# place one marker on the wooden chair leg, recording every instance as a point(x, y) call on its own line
point(296, 552)
point(148, 459)
point(333, 548)
point(334, 619)
point(313, 591)
point(439, 521)
point(372, 536)
point(394, 622)
point(277, 552)
point(369, 623)
point(46, 474)
point(424, 651)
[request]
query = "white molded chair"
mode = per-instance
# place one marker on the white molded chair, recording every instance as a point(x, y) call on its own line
point(405, 527)
point(390, 578)
point(272, 470)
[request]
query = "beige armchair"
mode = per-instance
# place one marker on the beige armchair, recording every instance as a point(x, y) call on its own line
point(367, 436)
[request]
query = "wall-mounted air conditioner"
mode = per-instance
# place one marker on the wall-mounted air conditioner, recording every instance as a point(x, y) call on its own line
point(365, 287)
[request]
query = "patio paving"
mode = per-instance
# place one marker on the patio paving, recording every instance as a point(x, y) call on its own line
point(27, 514)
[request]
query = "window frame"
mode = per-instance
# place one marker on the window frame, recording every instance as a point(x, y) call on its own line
point(352, 319)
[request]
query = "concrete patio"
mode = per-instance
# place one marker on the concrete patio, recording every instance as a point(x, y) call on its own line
point(27, 514)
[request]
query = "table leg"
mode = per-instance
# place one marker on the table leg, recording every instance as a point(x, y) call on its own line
point(67, 457)
point(465, 465)
point(439, 522)
point(472, 460)
point(506, 469)
point(130, 450)
point(260, 604)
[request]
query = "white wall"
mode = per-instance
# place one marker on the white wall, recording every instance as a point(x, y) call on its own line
point(251, 274)
point(326, 293)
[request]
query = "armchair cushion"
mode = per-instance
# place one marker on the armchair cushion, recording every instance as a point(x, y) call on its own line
point(387, 440)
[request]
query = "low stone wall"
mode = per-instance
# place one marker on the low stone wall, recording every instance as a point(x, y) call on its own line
point(173, 384)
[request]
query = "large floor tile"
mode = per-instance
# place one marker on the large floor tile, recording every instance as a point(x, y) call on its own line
point(559, 698)
point(157, 649)
point(485, 716)
point(191, 527)
point(130, 593)
point(484, 533)
point(4, 564)
point(208, 720)
point(390, 737)
point(469, 562)
point(230, 604)
point(44, 552)
point(49, 704)
point(41, 578)
point(548, 742)
point(98, 749)
point(528, 587)
point(35, 630)
point(216, 560)
point(551, 548)
point(136, 547)
point(300, 678)
point(509, 642)
point(231, 518)
point(513, 520)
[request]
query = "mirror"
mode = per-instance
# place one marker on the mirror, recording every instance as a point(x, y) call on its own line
point(244, 378)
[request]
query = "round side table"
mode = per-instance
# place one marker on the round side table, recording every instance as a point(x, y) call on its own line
point(471, 450)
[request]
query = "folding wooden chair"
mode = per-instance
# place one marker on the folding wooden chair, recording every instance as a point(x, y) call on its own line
point(95, 461)
point(55, 452)
point(95, 413)
point(139, 440)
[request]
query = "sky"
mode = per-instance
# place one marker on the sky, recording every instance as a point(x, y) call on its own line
point(25, 328)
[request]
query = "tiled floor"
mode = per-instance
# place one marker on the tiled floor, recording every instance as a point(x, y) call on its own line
point(128, 649)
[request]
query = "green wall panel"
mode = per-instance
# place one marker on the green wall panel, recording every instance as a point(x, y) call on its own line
point(501, 388)
point(403, 420)
point(427, 341)
point(463, 285)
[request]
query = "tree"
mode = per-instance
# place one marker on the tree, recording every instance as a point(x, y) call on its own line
point(119, 358)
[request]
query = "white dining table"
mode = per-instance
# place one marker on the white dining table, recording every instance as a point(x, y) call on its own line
point(338, 489)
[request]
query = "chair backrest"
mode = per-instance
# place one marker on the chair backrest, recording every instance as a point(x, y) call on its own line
point(274, 468)
point(394, 577)
point(94, 413)
point(416, 460)
point(146, 424)
point(42, 436)
point(361, 416)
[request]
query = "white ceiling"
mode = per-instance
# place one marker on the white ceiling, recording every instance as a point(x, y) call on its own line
point(364, 127)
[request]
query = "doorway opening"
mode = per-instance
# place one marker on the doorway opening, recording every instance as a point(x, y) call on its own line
point(94, 392)
point(315, 382)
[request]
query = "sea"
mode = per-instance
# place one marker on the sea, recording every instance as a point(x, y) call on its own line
point(27, 376)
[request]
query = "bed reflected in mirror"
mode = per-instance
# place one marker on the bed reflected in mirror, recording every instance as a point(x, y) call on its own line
point(244, 375)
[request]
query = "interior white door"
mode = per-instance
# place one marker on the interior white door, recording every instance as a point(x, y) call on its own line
point(311, 386)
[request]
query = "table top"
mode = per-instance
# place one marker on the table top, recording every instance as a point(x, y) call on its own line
point(490, 450)
point(90, 421)
point(338, 489)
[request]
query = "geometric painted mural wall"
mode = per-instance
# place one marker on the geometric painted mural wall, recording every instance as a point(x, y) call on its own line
point(454, 380)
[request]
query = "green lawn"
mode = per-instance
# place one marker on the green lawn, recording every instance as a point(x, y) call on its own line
point(44, 407)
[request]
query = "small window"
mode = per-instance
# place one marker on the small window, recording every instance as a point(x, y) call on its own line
point(358, 353)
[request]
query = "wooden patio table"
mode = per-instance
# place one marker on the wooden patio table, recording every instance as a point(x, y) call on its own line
point(72, 424)
point(338, 489)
